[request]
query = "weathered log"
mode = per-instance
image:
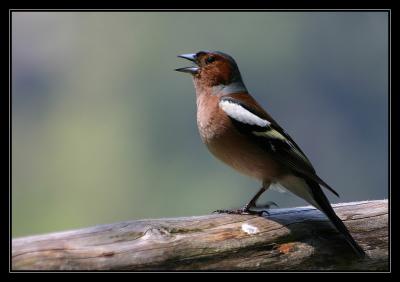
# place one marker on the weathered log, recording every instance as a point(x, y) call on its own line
point(287, 239)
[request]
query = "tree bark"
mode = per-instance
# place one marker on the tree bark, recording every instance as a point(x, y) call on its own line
point(287, 239)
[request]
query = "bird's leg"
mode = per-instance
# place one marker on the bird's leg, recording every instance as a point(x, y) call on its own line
point(252, 202)
point(246, 209)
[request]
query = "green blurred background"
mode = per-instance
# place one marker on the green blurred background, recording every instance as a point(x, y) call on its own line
point(104, 130)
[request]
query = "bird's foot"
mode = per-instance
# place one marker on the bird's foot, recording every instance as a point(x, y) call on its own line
point(246, 210)
point(239, 211)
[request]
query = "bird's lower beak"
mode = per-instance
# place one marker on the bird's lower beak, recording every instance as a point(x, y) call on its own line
point(192, 58)
point(192, 70)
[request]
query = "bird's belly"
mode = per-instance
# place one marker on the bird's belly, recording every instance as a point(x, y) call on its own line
point(246, 157)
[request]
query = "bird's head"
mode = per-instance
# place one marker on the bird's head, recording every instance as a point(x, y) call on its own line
point(214, 69)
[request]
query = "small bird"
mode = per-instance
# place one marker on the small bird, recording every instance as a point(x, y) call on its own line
point(239, 132)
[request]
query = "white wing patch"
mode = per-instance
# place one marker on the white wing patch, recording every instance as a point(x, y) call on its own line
point(239, 113)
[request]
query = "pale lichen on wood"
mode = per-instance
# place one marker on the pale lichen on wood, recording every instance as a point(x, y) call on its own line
point(287, 239)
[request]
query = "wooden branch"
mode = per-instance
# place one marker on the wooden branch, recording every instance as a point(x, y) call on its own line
point(287, 239)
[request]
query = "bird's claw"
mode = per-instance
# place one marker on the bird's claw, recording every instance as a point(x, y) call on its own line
point(243, 211)
point(248, 209)
point(233, 211)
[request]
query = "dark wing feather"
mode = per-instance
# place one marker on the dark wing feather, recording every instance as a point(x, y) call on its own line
point(276, 141)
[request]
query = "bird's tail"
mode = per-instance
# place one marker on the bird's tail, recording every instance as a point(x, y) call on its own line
point(327, 209)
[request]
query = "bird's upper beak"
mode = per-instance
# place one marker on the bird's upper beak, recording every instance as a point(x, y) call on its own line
point(192, 69)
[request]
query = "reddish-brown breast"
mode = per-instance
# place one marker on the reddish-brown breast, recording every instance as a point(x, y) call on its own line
point(228, 144)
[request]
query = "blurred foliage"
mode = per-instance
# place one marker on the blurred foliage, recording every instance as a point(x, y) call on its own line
point(104, 130)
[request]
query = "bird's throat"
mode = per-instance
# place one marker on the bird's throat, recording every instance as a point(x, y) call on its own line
point(220, 89)
point(233, 87)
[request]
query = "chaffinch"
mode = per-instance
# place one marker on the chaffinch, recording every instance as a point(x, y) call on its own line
point(238, 131)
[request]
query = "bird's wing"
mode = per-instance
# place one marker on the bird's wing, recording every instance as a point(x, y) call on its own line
point(263, 130)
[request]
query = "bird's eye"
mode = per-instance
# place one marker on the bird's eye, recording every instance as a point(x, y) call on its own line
point(210, 59)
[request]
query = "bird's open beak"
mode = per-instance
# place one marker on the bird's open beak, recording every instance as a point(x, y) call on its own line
point(191, 70)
